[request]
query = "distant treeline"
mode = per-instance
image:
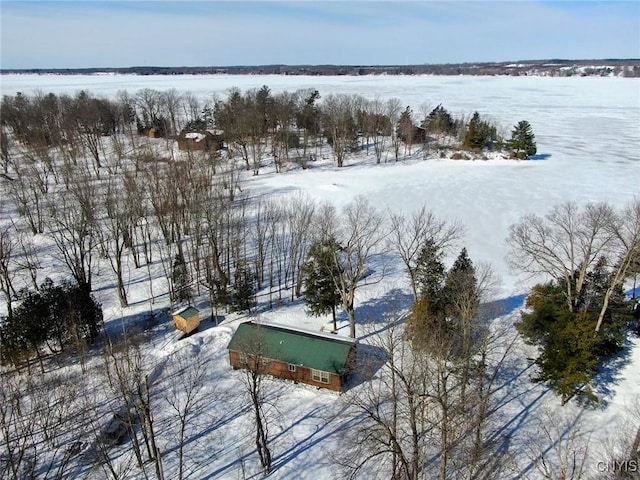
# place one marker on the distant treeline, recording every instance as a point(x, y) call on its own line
point(553, 67)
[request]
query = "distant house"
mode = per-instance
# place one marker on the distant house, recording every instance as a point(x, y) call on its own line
point(321, 360)
point(152, 132)
point(186, 319)
point(413, 135)
point(199, 141)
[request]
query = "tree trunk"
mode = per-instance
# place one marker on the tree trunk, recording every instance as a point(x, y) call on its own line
point(635, 447)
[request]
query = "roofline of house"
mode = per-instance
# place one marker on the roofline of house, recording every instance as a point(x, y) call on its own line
point(288, 328)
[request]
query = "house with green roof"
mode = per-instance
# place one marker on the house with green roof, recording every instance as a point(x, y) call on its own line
point(319, 359)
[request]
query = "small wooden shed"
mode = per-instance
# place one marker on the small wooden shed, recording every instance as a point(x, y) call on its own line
point(186, 319)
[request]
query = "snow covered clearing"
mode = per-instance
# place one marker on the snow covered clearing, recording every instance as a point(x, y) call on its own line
point(588, 136)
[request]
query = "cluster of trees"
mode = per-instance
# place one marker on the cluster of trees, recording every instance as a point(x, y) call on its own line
point(546, 67)
point(577, 318)
point(256, 124)
point(76, 125)
point(428, 407)
point(54, 149)
point(52, 319)
point(62, 424)
point(434, 393)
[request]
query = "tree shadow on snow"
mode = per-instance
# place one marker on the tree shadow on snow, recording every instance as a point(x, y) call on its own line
point(504, 306)
point(136, 323)
point(378, 311)
point(369, 359)
point(609, 373)
point(326, 429)
point(539, 156)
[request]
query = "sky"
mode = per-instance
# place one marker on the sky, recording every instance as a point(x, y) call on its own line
point(92, 33)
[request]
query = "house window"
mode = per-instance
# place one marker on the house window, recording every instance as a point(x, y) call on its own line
point(292, 367)
point(320, 376)
point(265, 360)
point(243, 358)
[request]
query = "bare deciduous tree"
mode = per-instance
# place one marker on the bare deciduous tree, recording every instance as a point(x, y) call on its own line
point(131, 384)
point(359, 234)
point(115, 231)
point(255, 364)
point(6, 269)
point(393, 111)
point(410, 233)
point(625, 250)
point(391, 433)
point(339, 124)
point(564, 244)
point(558, 448)
point(73, 228)
point(17, 427)
point(186, 396)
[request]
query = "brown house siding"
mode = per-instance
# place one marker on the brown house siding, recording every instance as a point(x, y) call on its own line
point(280, 369)
point(208, 143)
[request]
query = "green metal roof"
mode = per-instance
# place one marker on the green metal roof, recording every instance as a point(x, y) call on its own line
point(328, 353)
point(187, 312)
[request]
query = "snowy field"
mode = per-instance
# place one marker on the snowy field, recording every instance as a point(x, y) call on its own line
point(588, 137)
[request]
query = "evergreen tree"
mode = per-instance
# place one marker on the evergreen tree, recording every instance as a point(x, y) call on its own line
point(440, 121)
point(81, 314)
point(406, 126)
point(308, 117)
point(243, 298)
point(569, 350)
point(568, 358)
point(430, 271)
point(461, 297)
point(480, 133)
point(64, 314)
point(427, 326)
point(448, 301)
point(181, 284)
point(523, 141)
point(319, 273)
point(31, 325)
point(460, 291)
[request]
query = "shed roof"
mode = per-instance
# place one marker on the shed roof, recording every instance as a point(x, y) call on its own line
point(295, 346)
point(197, 136)
point(187, 312)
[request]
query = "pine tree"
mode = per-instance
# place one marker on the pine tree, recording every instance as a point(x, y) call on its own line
point(64, 314)
point(244, 290)
point(430, 271)
point(82, 314)
point(427, 323)
point(406, 126)
point(319, 272)
point(461, 296)
point(460, 289)
point(523, 141)
point(439, 121)
point(181, 291)
point(479, 133)
point(570, 351)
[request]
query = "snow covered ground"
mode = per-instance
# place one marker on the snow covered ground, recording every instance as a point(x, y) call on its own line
point(588, 136)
